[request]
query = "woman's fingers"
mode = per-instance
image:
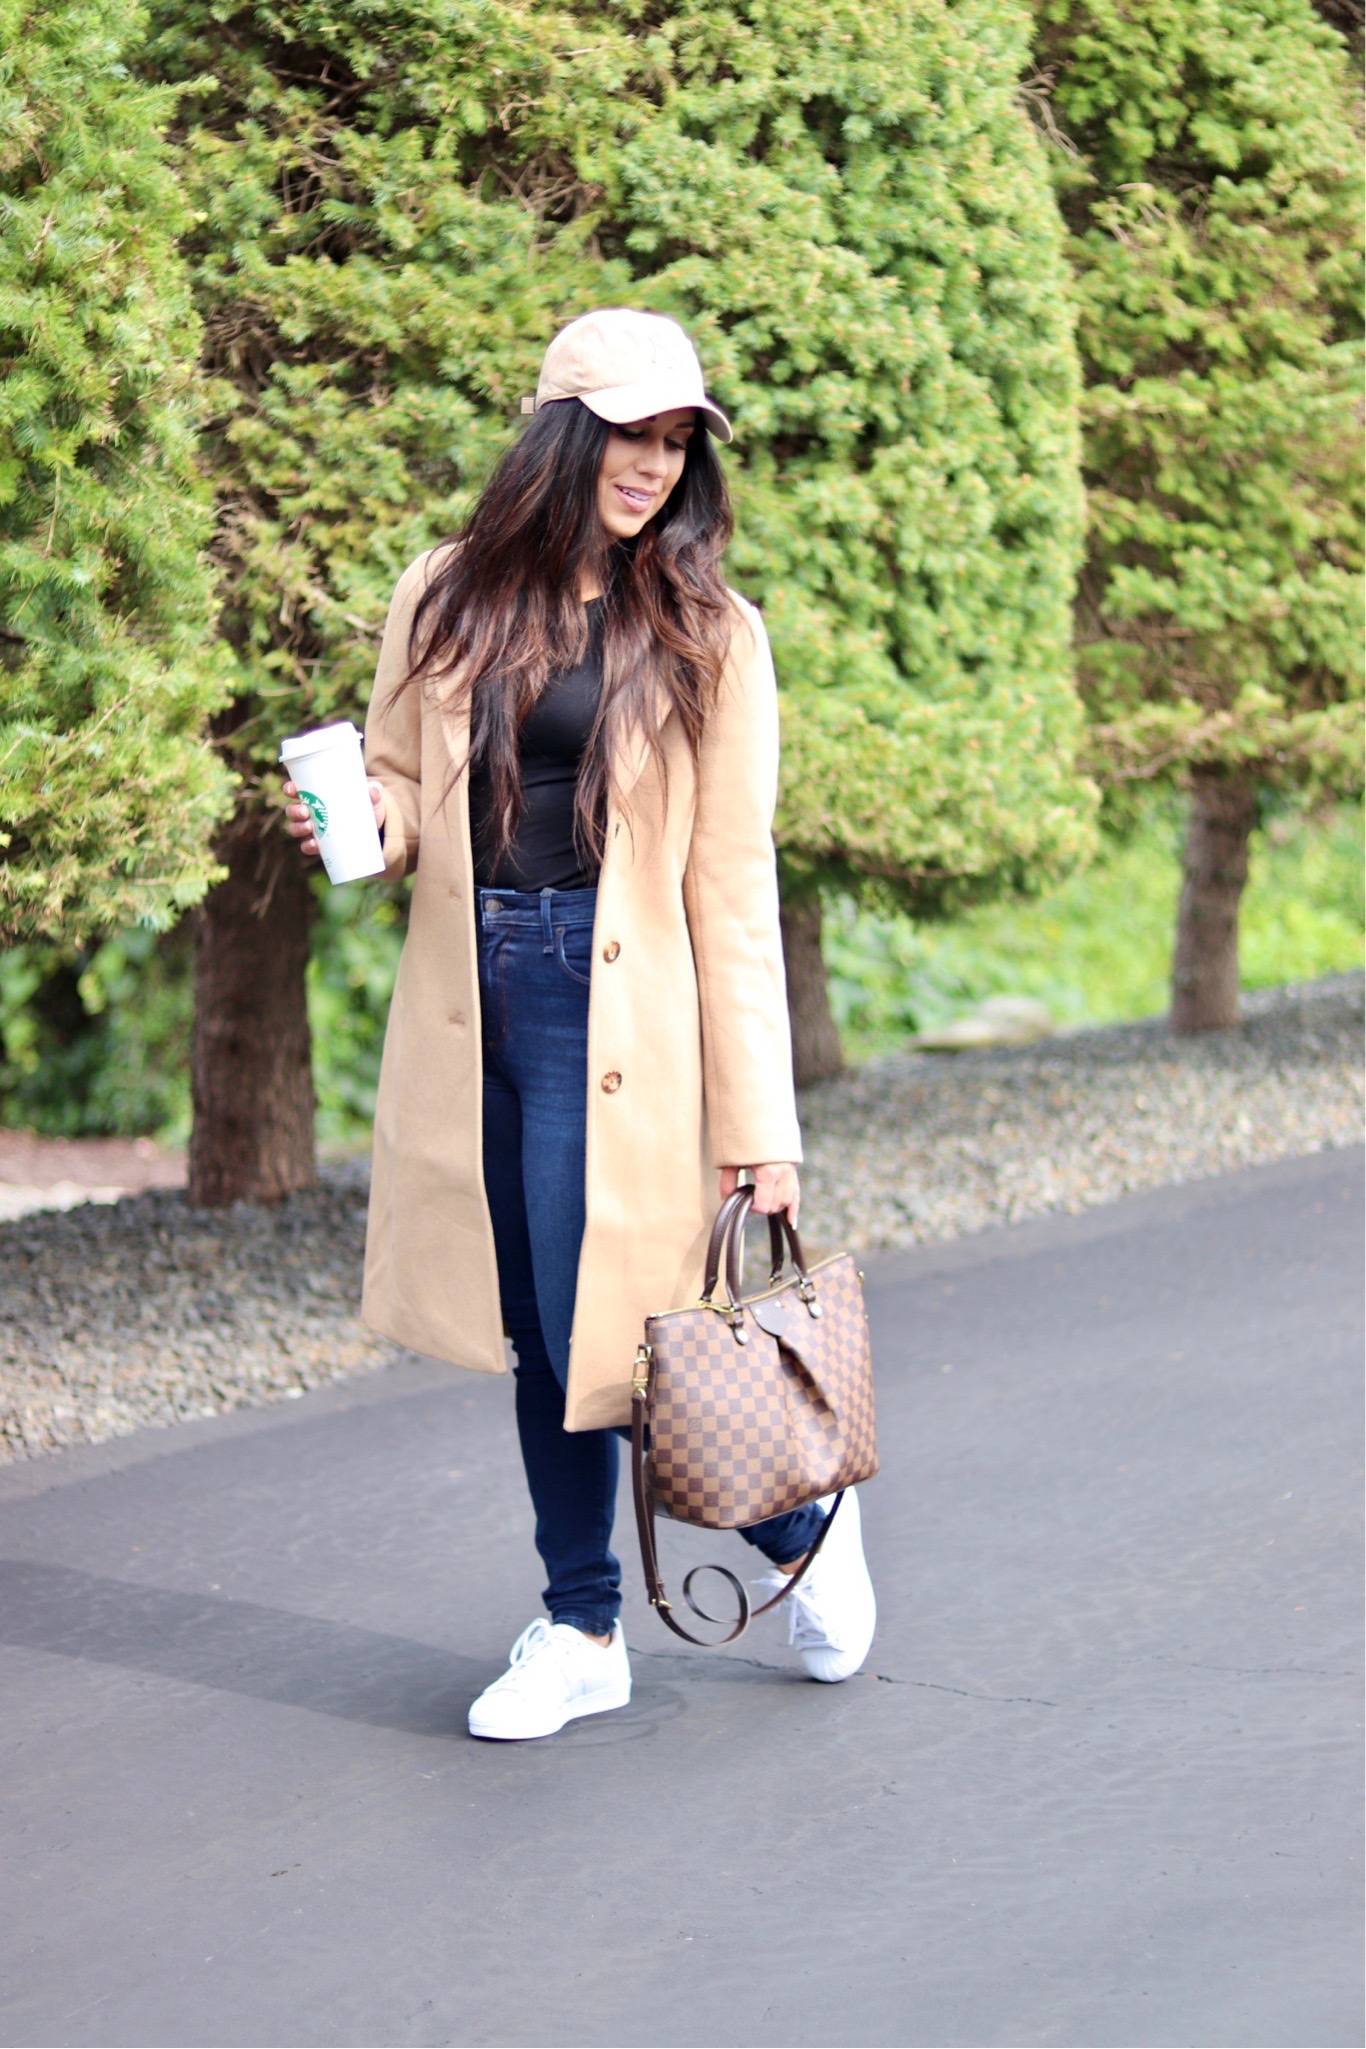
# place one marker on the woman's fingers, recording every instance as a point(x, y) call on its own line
point(776, 1188)
point(299, 823)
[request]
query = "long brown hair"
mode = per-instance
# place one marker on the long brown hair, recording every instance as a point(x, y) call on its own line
point(502, 613)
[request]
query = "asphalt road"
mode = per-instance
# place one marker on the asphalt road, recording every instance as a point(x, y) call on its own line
point(1098, 1786)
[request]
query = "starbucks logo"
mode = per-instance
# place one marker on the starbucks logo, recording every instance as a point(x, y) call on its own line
point(317, 810)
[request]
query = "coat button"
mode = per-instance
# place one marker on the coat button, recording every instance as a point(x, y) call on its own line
point(611, 1082)
point(611, 950)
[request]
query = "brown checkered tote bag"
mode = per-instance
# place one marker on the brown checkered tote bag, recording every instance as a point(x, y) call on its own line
point(746, 1407)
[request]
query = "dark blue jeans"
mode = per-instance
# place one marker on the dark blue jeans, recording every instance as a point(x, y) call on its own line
point(535, 961)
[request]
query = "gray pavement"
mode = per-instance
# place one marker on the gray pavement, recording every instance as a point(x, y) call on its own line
point(1098, 1786)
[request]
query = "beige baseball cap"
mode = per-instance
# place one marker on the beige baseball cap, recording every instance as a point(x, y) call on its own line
point(626, 366)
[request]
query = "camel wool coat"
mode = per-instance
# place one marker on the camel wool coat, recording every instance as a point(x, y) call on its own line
point(689, 1058)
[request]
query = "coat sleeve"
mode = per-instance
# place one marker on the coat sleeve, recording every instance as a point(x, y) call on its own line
point(730, 890)
point(393, 731)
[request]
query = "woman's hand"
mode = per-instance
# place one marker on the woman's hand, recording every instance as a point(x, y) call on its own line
point(776, 1188)
point(299, 820)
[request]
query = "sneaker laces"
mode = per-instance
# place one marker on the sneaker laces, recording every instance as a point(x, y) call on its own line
point(807, 1628)
point(534, 1639)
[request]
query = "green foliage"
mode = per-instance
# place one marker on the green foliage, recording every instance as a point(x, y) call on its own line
point(108, 794)
point(1303, 913)
point(848, 208)
point(1215, 208)
point(96, 1039)
point(1097, 950)
point(353, 962)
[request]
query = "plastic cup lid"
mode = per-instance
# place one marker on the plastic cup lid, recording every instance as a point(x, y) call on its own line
point(314, 742)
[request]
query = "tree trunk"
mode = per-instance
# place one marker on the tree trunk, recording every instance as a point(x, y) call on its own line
point(816, 1051)
point(1223, 811)
point(251, 1064)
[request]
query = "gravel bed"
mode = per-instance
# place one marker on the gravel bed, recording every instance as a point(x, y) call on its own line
point(923, 1145)
point(146, 1311)
point(143, 1311)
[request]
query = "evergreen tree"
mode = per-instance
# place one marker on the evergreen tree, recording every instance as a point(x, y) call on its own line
point(108, 790)
point(845, 204)
point(1349, 18)
point(1209, 171)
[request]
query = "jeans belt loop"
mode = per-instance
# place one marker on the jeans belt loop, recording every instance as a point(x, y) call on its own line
point(547, 930)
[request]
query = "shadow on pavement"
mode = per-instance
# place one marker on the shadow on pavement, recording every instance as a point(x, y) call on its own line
point(330, 1668)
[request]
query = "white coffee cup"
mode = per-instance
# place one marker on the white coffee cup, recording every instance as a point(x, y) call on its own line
point(328, 769)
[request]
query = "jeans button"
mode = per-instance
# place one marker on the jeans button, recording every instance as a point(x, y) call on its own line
point(493, 905)
point(611, 1082)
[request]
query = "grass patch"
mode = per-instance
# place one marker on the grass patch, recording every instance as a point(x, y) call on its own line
point(1098, 950)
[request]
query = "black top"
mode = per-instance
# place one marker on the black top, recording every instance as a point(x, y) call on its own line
point(551, 747)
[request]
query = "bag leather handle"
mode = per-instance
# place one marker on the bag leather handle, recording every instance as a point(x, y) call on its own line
point(727, 1238)
point(781, 1227)
point(716, 1244)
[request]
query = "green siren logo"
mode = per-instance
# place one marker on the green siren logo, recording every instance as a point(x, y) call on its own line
point(317, 809)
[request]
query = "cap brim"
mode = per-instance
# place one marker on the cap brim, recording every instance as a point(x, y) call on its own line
point(627, 402)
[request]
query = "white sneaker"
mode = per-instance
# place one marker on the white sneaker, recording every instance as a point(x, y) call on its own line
point(833, 1613)
point(556, 1673)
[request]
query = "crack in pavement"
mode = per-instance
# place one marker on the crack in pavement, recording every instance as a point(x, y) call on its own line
point(966, 1693)
point(682, 1658)
point(678, 1658)
point(1237, 1671)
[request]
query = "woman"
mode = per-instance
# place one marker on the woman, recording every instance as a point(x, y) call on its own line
point(573, 735)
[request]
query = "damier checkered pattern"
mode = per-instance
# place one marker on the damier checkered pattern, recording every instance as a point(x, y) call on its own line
point(741, 1432)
